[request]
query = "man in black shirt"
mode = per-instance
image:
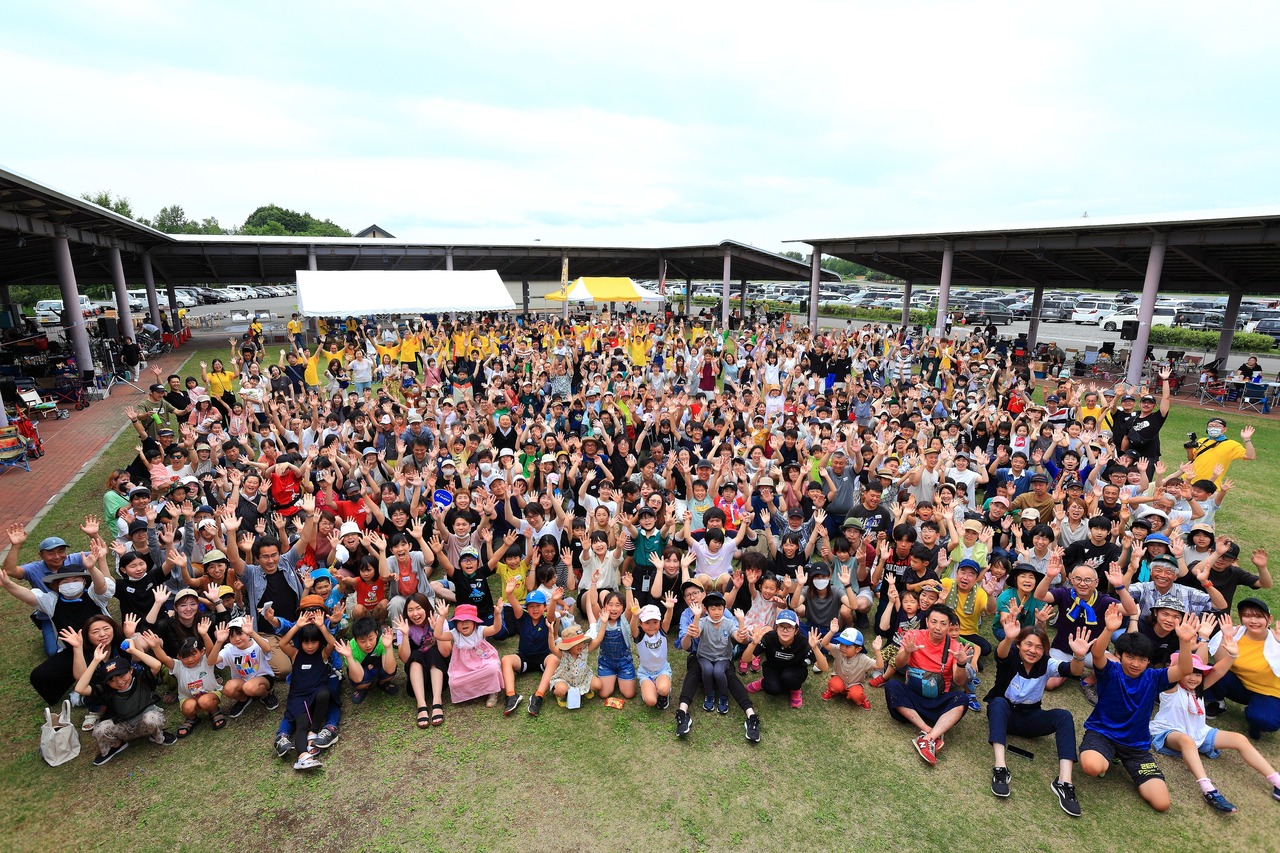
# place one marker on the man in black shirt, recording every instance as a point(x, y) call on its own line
point(1143, 434)
point(1226, 574)
point(1095, 550)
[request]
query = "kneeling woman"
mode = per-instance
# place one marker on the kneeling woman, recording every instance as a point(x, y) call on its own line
point(785, 656)
point(1013, 705)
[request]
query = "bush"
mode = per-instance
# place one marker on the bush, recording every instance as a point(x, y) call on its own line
point(874, 315)
point(1168, 336)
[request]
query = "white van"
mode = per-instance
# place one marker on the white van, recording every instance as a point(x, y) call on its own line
point(243, 291)
point(49, 311)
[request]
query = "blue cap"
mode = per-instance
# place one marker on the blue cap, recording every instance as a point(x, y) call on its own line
point(204, 508)
point(849, 637)
point(969, 564)
point(322, 574)
point(536, 597)
point(1150, 537)
point(788, 616)
point(51, 543)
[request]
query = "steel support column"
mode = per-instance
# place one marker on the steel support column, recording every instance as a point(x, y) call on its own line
point(72, 315)
point(1146, 308)
point(906, 303)
point(448, 258)
point(564, 276)
point(311, 258)
point(123, 312)
point(742, 299)
point(524, 297)
point(1232, 314)
point(688, 296)
point(153, 299)
point(1033, 326)
point(944, 286)
point(815, 276)
point(724, 289)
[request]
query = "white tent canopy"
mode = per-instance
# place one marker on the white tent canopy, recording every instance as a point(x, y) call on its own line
point(337, 293)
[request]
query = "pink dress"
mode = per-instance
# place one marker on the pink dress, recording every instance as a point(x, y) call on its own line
point(474, 668)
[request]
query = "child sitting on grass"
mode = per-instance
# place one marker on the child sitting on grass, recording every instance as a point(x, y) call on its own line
point(572, 671)
point(131, 708)
point(649, 626)
point(535, 651)
point(198, 686)
point(370, 659)
point(309, 646)
point(614, 665)
point(238, 648)
point(474, 666)
point(785, 656)
point(1179, 727)
point(851, 667)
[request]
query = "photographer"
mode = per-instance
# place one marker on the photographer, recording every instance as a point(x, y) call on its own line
point(1215, 451)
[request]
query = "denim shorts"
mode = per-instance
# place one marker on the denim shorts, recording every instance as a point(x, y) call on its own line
point(1207, 748)
point(649, 675)
point(623, 668)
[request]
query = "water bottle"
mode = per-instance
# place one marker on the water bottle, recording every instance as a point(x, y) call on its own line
point(124, 645)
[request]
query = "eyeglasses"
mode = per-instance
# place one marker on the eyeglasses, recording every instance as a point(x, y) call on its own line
point(1085, 581)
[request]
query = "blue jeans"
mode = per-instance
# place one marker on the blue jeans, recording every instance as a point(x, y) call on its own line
point(50, 636)
point(1262, 713)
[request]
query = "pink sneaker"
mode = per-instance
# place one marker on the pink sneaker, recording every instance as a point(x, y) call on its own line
point(755, 664)
point(742, 667)
point(797, 699)
point(755, 686)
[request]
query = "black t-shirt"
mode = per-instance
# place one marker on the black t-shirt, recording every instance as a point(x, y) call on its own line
point(784, 566)
point(1144, 434)
point(137, 597)
point(1227, 581)
point(1164, 646)
point(178, 399)
point(773, 654)
point(284, 601)
point(473, 589)
point(1098, 556)
point(128, 704)
point(873, 520)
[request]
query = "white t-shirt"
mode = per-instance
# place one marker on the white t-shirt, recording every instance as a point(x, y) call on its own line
point(195, 680)
point(245, 663)
point(717, 564)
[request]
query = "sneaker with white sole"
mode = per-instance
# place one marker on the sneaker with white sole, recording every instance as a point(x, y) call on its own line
point(327, 737)
point(684, 723)
point(1066, 797)
point(307, 761)
point(1000, 777)
point(924, 746)
point(513, 703)
point(284, 745)
point(752, 726)
point(1219, 802)
point(270, 702)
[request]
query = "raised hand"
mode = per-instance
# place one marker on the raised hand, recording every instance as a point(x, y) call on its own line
point(1080, 642)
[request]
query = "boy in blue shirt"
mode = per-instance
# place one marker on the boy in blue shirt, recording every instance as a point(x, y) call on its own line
point(1119, 727)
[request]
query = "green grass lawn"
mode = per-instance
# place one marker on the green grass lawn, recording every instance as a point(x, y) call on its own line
point(827, 775)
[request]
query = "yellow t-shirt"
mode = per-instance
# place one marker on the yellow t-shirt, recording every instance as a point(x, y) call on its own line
point(1209, 454)
point(1253, 670)
point(409, 346)
point(221, 383)
point(506, 573)
point(639, 347)
point(294, 327)
point(968, 621)
point(1086, 412)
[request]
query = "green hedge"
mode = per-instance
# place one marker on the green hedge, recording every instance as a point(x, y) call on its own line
point(1168, 336)
point(875, 315)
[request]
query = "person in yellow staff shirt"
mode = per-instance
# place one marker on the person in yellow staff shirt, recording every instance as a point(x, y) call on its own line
point(1215, 450)
point(970, 602)
point(410, 346)
point(294, 327)
point(638, 346)
point(318, 363)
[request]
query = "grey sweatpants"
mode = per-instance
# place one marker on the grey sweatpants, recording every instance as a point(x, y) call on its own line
point(109, 734)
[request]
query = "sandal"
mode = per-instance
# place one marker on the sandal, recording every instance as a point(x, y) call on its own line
point(218, 720)
point(187, 727)
point(423, 715)
point(492, 701)
point(90, 720)
point(437, 717)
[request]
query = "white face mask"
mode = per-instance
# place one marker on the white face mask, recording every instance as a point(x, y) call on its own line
point(71, 589)
point(821, 583)
point(1213, 432)
point(486, 468)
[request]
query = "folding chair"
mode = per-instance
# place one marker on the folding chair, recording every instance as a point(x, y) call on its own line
point(44, 408)
point(1252, 396)
point(1213, 391)
point(13, 450)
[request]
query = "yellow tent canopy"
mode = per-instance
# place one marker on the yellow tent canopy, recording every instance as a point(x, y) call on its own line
point(602, 289)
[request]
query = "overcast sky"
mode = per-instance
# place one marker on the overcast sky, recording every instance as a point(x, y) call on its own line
point(649, 124)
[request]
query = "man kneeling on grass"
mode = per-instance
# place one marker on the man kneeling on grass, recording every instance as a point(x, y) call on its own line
point(1119, 727)
point(132, 708)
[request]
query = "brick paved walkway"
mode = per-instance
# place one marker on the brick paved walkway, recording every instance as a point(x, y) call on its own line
point(70, 444)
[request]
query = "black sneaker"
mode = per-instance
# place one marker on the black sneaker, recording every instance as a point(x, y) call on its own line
point(752, 726)
point(513, 702)
point(326, 737)
point(284, 745)
point(99, 760)
point(664, 702)
point(709, 704)
point(535, 705)
point(1214, 709)
point(684, 723)
point(270, 702)
point(166, 739)
point(1000, 777)
point(1067, 797)
point(239, 708)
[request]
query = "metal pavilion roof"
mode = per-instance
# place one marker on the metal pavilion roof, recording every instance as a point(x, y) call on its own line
point(31, 213)
point(1209, 251)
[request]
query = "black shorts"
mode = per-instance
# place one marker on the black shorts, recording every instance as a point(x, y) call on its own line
point(528, 664)
point(1140, 764)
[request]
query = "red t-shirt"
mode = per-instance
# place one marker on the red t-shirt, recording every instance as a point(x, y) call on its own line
point(285, 491)
point(369, 594)
point(929, 656)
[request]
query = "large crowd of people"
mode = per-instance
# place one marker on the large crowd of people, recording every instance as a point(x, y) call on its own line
point(637, 508)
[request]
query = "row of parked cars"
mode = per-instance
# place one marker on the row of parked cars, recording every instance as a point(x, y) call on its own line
point(49, 311)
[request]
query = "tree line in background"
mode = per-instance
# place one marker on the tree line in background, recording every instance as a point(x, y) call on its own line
point(270, 220)
point(845, 269)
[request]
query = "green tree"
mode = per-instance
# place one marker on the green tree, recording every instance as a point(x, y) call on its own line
point(103, 198)
point(271, 219)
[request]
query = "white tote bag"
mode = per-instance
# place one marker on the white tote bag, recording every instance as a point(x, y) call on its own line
point(59, 740)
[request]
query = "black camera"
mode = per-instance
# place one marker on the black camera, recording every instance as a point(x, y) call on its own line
point(1193, 441)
